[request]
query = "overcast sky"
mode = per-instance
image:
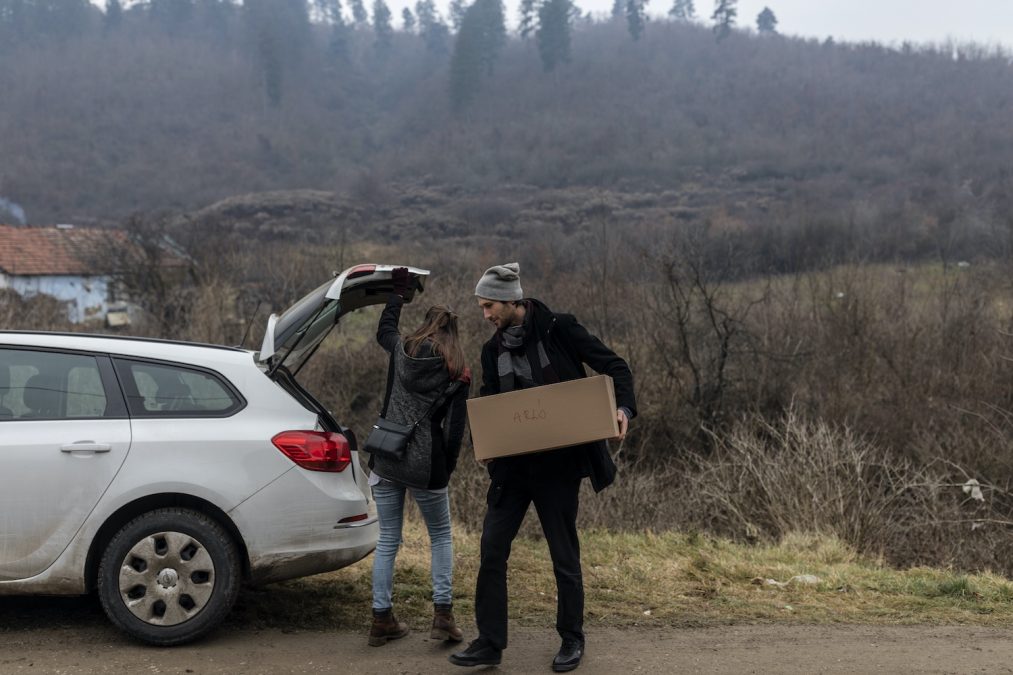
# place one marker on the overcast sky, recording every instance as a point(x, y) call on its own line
point(985, 21)
point(888, 21)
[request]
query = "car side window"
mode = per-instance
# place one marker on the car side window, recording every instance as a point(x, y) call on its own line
point(38, 385)
point(162, 390)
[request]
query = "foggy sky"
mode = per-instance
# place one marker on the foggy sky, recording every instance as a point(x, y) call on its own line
point(888, 21)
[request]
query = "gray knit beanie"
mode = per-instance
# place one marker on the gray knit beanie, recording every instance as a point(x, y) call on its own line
point(501, 282)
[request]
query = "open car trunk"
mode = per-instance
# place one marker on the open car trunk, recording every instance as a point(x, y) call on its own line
point(292, 338)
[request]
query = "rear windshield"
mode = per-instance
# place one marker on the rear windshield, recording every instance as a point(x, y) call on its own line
point(295, 347)
point(313, 336)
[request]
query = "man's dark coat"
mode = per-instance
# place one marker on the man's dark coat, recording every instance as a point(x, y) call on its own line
point(568, 346)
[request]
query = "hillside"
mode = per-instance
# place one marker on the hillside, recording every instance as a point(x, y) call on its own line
point(104, 121)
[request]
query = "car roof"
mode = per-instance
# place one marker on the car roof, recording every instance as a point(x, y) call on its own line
point(152, 348)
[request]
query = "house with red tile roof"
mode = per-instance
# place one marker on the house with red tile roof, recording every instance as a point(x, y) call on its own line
point(76, 265)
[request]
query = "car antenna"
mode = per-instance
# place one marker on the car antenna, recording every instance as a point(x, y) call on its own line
point(249, 324)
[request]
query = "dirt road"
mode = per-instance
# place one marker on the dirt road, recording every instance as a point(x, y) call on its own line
point(69, 637)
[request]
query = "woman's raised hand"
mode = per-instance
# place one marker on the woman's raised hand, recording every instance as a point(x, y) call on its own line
point(400, 278)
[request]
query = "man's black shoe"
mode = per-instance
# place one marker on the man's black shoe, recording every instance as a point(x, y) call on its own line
point(478, 653)
point(569, 656)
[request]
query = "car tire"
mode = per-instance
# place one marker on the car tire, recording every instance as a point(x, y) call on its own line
point(169, 576)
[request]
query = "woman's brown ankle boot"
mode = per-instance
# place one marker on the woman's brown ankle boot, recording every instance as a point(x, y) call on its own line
point(385, 627)
point(444, 627)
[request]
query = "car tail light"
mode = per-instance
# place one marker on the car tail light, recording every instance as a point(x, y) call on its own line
point(361, 271)
point(354, 519)
point(315, 450)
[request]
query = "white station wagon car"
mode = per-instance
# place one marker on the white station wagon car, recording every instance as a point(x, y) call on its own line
point(164, 474)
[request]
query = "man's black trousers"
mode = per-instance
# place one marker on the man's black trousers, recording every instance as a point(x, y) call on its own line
point(556, 504)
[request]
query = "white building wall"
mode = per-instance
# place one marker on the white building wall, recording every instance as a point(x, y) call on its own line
point(87, 298)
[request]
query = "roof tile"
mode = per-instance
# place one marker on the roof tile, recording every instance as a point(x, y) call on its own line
point(45, 251)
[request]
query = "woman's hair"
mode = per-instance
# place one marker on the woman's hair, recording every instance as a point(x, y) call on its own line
point(440, 328)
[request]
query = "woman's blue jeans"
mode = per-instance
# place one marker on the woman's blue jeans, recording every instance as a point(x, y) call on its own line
point(435, 508)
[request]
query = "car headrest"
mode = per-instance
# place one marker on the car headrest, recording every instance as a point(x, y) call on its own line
point(42, 395)
point(172, 389)
point(172, 394)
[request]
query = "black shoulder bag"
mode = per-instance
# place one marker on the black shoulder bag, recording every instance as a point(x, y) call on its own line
point(390, 439)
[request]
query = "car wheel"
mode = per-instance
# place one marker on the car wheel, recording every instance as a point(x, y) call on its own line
point(169, 576)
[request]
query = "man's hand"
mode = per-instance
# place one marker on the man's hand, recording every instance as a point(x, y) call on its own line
point(624, 424)
point(400, 278)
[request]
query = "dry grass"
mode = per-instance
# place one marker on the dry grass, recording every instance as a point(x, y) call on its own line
point(884, 368)
point(644, 579)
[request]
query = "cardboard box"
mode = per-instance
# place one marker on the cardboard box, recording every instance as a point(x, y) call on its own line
point(543, 418)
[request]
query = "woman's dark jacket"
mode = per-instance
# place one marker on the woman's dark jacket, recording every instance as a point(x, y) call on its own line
point(568, 346)
point(418, 382)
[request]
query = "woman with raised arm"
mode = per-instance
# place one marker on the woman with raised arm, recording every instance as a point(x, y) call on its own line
point(428, 385)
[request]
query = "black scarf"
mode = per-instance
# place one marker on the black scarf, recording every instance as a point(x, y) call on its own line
point(520, 352)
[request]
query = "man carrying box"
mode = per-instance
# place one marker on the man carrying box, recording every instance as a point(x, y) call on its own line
point(534, 346)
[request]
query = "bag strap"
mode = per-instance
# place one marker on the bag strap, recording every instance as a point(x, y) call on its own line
point(390, 384)
point(437, 403)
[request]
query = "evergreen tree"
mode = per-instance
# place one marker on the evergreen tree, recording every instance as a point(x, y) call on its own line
point(493, 17)
point(425, 12)
point(359, 15)
point(636, 17)
point(329, 12)
point(382, 27)
point(271, 64)
point(114, 15)
point(724, 18)
point(555, 21)
point(278, 33)
point(529, 12)
point(457, 10)
point(408, 20)
point(618, 9)
point(766, 21)
point(683, 10)
point(465, 69)
point(476, 48)
point(576, 16)
point(434, 32)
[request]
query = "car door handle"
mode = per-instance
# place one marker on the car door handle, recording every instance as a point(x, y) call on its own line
point(86, 446)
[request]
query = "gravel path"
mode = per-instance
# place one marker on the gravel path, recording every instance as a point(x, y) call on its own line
point(36, 638)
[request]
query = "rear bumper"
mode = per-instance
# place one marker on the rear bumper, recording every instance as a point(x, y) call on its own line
point(280, 566)
point(292, 527)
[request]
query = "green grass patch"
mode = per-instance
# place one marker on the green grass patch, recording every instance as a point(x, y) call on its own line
point(649, 579)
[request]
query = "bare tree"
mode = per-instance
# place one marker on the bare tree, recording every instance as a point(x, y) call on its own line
point(699, 326)
point(152, 272)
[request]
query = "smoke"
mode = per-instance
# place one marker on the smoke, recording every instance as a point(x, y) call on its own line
point(13, 209)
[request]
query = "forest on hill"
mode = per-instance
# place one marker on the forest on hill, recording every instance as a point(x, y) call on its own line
point(177, 104)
